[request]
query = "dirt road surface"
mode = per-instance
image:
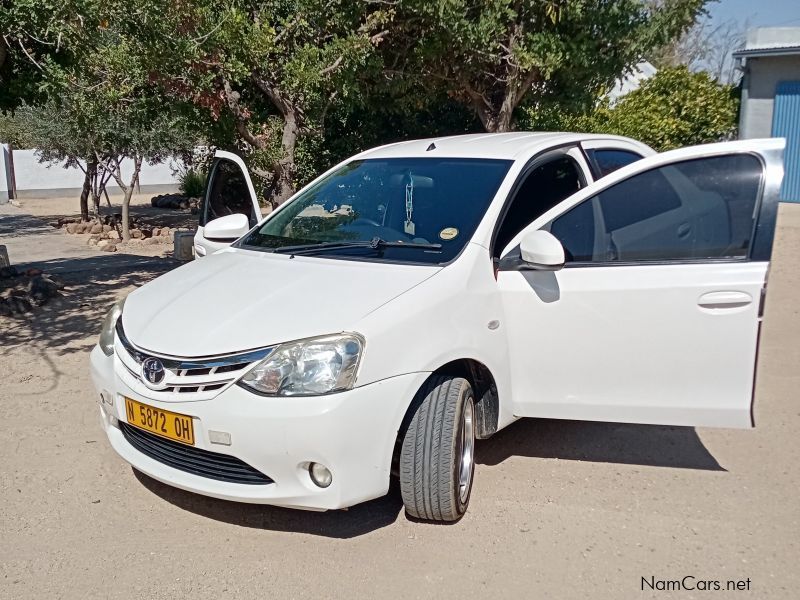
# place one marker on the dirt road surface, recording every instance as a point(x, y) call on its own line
point(559, 509)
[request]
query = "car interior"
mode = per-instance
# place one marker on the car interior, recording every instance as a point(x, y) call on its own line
point(543, 187)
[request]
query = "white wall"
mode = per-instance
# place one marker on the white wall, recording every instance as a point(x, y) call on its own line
point(43, 179)
point(3, 175)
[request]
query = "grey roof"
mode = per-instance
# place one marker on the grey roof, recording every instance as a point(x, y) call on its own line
point(771, 51)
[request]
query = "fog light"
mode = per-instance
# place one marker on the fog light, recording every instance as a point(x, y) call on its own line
point(320, 475)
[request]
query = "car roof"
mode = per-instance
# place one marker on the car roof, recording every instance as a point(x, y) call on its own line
point(508, 146)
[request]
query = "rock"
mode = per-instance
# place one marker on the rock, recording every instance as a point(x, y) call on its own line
point(165, 231)
point(96, 228)
point(110, 247)
point(152, 241)
point(92, 241)
point(41, 289)
point(71, 227)
point(19, 305)
point(156, 231)
point(154, 201)
point(113, 235)
point(106, 228)
point(103, 243)
point(147, 233)
point(137, 234)
point(33, 272)
point(8, 272)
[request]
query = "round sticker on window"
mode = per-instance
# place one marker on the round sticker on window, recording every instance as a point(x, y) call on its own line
point(448, 233)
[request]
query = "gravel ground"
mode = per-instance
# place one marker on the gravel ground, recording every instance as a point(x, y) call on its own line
point(559, 509)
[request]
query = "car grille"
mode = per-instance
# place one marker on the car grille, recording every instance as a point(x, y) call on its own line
point(185, 378)
point(196, 461)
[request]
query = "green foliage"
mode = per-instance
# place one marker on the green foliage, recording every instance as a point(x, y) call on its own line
point(493, 55)
point(674, 108)
point(193, 183)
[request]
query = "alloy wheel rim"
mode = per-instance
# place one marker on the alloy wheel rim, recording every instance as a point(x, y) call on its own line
point(466, 459)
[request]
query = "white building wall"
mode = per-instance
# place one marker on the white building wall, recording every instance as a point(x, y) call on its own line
point(35, 179)
point(3, 174)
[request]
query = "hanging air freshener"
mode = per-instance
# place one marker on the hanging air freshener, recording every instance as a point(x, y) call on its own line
point(409, 224)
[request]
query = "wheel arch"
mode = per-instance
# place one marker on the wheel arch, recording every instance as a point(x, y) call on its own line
point(487, 402)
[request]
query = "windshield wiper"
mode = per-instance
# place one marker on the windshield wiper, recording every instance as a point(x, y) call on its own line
point(375, 243)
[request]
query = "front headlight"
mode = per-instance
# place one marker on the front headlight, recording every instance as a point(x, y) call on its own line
point(308, 367)
point(106, 341)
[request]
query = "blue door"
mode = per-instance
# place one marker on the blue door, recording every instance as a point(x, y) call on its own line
point(786, 124)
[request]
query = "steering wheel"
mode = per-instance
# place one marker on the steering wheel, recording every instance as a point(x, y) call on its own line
point(365, 221)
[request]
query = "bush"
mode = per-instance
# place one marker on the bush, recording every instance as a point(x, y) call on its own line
point(674, 108)
point(193, 183)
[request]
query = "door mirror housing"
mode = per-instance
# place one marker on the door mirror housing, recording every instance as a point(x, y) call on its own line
point(227, 229)
point(541, 250)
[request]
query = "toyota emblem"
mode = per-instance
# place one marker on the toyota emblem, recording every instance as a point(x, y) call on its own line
point(153, 372)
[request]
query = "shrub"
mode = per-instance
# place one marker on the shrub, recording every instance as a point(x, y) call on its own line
point(193, 183)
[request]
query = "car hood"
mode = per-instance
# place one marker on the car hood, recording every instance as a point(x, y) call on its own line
point(238, 300)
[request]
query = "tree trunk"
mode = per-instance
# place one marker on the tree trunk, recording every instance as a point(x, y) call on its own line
point(126, 198)
point(87, 186)
point(283, 182)
point(91, 173)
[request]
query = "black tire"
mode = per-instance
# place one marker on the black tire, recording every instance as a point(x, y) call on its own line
point(432, 480)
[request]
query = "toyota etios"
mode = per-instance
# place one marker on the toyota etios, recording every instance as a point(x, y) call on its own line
point(426, 294)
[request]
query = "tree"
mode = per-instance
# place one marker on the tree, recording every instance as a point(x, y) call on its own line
point(706, 46)
point(674, 108)
point(496, 55)
point(271, 71)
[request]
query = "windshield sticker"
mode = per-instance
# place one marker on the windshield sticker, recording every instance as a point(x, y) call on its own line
point(448, 233)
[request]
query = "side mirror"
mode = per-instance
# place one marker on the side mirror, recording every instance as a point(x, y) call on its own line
point(227, 229)
point(542, 251)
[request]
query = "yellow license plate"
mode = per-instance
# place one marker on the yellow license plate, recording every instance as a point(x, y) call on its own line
point(161, 422)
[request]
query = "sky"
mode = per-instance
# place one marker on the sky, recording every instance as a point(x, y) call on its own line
point(759, 13)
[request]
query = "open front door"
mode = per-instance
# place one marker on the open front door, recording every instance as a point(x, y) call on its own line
point(655, 316)
point(229, 191)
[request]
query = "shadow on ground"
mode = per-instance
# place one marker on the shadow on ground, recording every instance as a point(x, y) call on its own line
point(70, 323)
point(621, 443)
point(356, 521)
point(646, 445)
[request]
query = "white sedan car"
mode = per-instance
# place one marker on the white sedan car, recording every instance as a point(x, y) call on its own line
point(425, 294)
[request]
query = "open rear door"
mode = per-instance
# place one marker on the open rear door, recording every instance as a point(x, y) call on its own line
point(229, 191)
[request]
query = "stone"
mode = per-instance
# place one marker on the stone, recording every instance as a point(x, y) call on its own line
point(71, 227)
point(106, 228)
point(33, 272)
point(92, 241)
point(113, 235)
point(96, 228)
point(137, 234)
point(152, 241)
point(110, 247)
point(41, 289)
point(165, 231)
point(103, 243)
point(156, 231)
point(8, 272)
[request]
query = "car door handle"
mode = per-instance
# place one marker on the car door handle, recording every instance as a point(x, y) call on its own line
point(724, 299)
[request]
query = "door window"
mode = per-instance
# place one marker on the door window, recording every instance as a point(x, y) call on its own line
point(610, 159)
point(695, 209)
point(227, 193)
point(542, 188)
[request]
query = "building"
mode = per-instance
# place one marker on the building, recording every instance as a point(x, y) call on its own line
point(770, 62)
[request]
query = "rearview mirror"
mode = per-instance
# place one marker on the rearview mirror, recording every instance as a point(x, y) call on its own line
point(227, 229)
point(542, 251)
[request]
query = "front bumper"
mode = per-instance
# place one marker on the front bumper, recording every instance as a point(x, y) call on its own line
point(352, 433)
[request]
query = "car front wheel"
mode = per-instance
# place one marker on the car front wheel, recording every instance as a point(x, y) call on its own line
point(437, 456)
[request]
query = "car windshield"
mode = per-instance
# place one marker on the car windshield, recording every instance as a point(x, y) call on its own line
point(419, 210)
